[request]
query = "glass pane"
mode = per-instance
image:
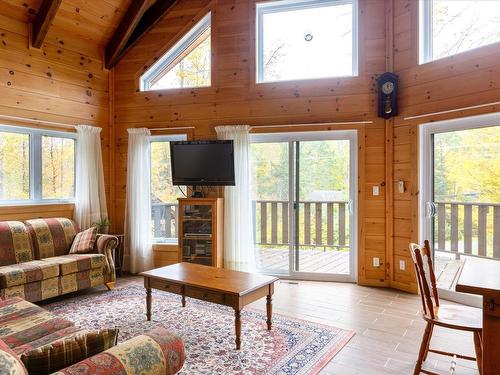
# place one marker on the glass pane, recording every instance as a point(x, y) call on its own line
point(14, 166)
point(323, 216)
point(192, 71)
point(467, 198)
point(163, 194)
point(270, 185)
point(461, 25)
point(58, 168)
point(313, 42)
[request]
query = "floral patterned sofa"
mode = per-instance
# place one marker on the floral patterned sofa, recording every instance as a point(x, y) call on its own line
point(35, 263)
point(25, 326)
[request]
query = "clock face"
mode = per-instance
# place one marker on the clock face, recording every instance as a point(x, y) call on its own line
point(388, 88)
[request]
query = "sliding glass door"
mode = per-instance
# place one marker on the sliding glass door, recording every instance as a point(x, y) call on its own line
point(460, 206)
point(304, 198)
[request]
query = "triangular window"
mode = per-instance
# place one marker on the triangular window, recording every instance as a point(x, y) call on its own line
point(186, 64)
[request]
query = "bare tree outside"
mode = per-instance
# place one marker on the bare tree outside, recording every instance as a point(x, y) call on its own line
point(461, 25)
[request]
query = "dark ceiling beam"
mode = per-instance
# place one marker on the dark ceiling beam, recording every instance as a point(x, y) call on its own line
point(124, 30)
point(147, 22)
point(43, 20)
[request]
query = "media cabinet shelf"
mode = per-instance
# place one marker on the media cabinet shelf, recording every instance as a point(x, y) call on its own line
point(201, 216)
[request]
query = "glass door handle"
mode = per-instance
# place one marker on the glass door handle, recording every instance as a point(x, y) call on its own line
point(430, 209)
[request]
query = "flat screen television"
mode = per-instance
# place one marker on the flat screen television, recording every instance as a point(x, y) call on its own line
point(202, 163)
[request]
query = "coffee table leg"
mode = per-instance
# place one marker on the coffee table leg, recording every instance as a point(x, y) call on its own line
point(148, 303)
point(269, 308)
point(237, 325)
point(183, 297)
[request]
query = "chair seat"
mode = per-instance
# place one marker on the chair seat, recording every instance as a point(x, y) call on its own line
point(460, 317)
point(27, 272)
point(73, 263)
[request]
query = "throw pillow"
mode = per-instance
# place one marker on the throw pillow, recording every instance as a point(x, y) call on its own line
point(84, 241)
point(68, 351)
point(9, 362)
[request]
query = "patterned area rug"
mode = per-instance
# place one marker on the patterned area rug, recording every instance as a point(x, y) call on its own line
point(292, 346)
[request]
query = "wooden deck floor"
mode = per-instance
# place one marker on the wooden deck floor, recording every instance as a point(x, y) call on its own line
point(317, 261)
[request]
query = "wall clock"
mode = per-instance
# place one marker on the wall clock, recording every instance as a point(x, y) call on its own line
point(387, 95)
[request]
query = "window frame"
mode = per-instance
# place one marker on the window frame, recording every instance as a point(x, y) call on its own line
point(35, 167)
point(164, 138)
point(426, 40)
point(287, 5)
point(187, 43)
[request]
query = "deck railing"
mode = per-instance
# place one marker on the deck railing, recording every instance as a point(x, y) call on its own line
point(321, 224)
point(164, 220)
point(467, 228)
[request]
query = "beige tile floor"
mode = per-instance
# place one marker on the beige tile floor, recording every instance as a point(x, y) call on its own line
point(387, 323)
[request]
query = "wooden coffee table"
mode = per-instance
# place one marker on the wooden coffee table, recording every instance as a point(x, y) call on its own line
point(224, 287)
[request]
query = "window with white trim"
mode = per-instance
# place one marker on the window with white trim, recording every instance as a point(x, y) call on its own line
point(448, 27)
point(164, 194)
point(36, 166)
point(186, 64)
point(306, 39)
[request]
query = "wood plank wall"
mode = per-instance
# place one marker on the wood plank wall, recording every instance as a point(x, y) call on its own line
point(64, 81)
point(234, 98)
point(467, 79)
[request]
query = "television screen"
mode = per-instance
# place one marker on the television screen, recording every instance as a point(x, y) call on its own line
point(202, 162)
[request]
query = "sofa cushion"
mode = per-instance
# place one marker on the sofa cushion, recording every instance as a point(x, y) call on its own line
point(33, 292)
point(15, 243)
point(67, 351)
point(22, 322)
point(84, 241)
point(9, 362)
point(51, 237)
point(73, 263)
point(28, 272)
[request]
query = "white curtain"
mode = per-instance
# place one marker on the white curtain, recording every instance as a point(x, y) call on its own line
point(138, 255)
point(238, 233)
point(90, 196)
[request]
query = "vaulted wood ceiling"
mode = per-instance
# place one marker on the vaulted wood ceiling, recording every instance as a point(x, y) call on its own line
point(112, 25)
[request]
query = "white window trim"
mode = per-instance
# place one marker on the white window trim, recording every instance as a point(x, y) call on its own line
point(35, 170)
point(183, 44)
point(280, 6)
point(425, 43)
point(167, 138)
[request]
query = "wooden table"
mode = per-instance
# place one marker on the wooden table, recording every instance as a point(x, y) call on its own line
point(224, 287)
point(482, 277)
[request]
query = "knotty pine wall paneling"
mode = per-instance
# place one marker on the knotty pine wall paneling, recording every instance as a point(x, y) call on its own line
point(235, 98)
point(63, 81)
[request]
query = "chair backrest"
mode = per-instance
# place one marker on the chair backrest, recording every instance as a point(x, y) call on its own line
point(417, 254)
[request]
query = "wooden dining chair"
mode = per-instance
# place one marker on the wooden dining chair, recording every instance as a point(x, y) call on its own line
point(459, 317)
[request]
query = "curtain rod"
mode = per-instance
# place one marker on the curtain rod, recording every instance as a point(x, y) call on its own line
point(313, 124)
point(39, 122)
point(175, 128)
point(450, 111)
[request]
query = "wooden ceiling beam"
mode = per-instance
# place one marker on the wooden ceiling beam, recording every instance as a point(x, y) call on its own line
point(148, 20)
point(43, 20)
point(124, 31)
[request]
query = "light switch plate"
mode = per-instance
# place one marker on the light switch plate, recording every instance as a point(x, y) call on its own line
point(401, 186)
point(376, 262)
point(376, 190)
point(402, 265)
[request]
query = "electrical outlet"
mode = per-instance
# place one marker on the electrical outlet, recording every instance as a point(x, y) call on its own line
point(376, 262)
point(402, 265)
point(376, 190)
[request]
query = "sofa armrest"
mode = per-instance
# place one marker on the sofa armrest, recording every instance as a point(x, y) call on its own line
point(159, 352)
point(105, 244)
